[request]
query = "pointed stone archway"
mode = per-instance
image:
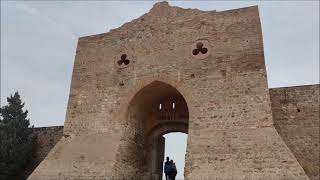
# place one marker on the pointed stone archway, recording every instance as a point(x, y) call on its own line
point(156, 109)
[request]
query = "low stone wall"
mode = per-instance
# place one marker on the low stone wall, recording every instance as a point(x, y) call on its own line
point(296, 118)
point(47, 137)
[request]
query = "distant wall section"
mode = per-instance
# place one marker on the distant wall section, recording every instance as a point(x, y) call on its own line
point(296, 118)
point(47, 138)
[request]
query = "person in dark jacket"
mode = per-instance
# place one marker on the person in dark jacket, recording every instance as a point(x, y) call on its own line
point(174, 171)
point(167, 169)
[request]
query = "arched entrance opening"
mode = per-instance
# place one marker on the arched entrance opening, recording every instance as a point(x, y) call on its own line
point(155, 110)
point(175, 149)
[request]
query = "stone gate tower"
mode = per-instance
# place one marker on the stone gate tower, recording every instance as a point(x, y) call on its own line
point(172, 69)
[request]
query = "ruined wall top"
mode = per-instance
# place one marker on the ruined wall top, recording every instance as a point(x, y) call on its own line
point(163, 12)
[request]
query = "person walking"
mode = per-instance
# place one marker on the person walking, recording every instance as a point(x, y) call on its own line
point(174, 171)
point(167, 169)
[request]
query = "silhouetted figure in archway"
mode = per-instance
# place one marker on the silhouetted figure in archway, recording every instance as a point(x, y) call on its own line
point(167, 169)
point(174, 171)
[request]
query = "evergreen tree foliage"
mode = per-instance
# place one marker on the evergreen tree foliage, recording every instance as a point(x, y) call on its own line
point(17, 141)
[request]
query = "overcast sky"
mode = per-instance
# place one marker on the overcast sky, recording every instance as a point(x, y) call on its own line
point(38, 42)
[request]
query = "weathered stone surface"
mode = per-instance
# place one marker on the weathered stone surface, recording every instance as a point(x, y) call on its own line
point(224, 95)
point(47, 138)
point(296, 117)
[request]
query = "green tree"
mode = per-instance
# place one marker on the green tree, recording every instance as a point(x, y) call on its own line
point(17, 141)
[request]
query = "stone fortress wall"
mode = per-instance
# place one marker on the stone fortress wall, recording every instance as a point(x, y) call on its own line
point(296, 117)
point(295, 114)
point(212, 62)
point(47, 138)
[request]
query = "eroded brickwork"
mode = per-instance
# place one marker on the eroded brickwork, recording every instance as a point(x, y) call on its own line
point(230, 127)
point(296, 118)
point(47, 138)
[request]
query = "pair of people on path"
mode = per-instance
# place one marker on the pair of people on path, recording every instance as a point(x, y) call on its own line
point(170, 170)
